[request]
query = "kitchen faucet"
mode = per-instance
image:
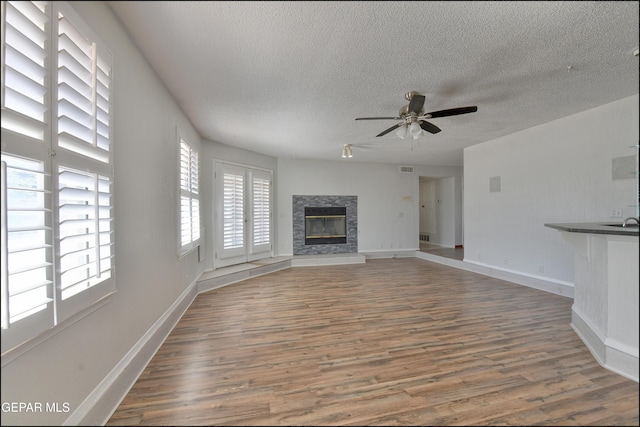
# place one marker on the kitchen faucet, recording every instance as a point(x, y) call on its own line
point(624, 223)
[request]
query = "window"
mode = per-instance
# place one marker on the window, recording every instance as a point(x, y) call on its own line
point(189, 198)
point(233, 210)
point(57, 168)
point(261, 201)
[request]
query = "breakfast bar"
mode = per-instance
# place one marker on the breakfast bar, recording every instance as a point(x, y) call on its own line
point(605, 308)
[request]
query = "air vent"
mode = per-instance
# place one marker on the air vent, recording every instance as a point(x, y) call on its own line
point(494, 184)
point(406, 169)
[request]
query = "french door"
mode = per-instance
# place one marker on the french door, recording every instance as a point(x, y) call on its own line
point(243, 219)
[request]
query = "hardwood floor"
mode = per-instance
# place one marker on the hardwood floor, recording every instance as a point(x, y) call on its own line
point(453, 253)
point(390, 342)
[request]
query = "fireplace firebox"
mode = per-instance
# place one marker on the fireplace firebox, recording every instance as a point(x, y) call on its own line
point(325, 225)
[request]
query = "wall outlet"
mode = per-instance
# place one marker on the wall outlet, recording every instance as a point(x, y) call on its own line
point(616, 213)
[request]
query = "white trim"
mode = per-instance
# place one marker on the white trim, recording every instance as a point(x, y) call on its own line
point(223, 257)
point(101, 403)
point(610, 354)
point(546, 284)
point(184, 250)
point(327, 259)
point(15, 352)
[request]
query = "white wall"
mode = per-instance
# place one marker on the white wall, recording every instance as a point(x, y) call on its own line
point(445, 212)
point(388, 200)
point(557, 172)
point(149, 276)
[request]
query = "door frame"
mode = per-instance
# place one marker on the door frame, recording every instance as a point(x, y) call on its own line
point(248, 251)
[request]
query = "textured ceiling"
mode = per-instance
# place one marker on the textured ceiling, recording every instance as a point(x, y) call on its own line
point(288, 79)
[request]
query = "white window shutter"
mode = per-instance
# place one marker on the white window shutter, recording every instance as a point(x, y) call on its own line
point(27, 275)
point(57, 228)
point(261, 210)
point(84, 113)
point(85, 230)
point(233, 210)
point(25, 79)
point(189, 197)
point(83, 181)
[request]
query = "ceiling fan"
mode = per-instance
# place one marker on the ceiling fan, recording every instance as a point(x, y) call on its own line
point(414, 119)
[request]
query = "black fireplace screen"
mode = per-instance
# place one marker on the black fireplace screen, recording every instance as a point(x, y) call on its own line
point(325, 225)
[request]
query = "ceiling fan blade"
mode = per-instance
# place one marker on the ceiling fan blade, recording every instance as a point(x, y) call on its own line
point(429, 127)
point(390, 129)
point(379, 118)
point(416, 104)
point(452, 112)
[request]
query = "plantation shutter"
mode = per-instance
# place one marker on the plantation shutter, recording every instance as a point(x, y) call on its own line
point(57, 172)
point(84, 179)
point(233, 210)
point(84, 81)
point(261, 211)
point(25, 79)
point(26, 206)
point(27, 275)
point(189, 197)
point(85, 230)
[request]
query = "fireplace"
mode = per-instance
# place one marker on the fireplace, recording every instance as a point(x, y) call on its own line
point(325, 225)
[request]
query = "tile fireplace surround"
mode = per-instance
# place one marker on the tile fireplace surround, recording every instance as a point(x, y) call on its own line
point(300, 202)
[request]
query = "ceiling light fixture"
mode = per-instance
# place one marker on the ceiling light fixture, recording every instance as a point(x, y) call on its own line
point(346, 151)
point(410, 128)
point(402, 132)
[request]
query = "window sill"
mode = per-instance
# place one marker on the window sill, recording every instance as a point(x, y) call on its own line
point(17, 351)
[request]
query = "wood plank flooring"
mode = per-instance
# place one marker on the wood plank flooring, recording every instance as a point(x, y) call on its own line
point(390, 342)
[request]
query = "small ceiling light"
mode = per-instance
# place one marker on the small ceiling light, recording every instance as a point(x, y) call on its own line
point(346, 151)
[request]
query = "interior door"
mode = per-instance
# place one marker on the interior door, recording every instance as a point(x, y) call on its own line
point(243, 215)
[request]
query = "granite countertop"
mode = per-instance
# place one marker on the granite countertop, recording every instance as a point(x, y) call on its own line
point(604, 227)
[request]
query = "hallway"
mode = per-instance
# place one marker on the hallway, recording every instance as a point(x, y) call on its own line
point(453, 253)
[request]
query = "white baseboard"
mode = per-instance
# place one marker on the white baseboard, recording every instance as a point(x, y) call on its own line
point(553, 286)
point(611, 355)
point(101, 403)
point(327, 259)
point(390, 253)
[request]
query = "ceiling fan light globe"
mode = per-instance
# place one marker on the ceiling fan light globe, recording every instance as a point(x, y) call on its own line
point(415, 130)
point(402, 132)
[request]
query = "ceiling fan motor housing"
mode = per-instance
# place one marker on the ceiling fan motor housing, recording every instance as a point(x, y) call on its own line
point(407, 116)
point(410, 95)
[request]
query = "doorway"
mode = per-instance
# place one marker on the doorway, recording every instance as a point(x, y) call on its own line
point(437, 216)
point(242, 214)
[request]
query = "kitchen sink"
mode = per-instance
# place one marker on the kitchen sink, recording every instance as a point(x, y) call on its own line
point(627, 227)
